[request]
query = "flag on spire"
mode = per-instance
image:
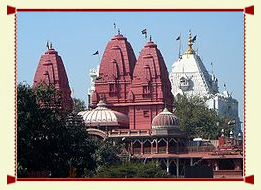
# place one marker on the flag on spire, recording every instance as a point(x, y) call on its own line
point(96, 53)
point(144, 31)
point(194, 39)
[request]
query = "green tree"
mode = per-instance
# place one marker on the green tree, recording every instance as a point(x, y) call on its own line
point(79, 105)
point(49, 139)
point(196, 119)
point(132, 170)
point(107, 152)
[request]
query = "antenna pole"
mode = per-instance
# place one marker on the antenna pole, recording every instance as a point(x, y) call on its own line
point(179, 43)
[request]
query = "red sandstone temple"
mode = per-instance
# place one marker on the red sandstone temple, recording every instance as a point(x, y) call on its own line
point(132, 101)
point(51, 71)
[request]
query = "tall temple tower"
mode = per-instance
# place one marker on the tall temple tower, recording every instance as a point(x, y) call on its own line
point(189, 77)
point(51, 71)
point(139, 89)
point(150, 89)
point(115, 74)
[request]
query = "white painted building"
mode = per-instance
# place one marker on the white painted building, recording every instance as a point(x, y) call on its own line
point(94, 73)
point(189, 77)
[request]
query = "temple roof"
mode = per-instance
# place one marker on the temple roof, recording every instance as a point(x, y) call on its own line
point(197, 81)
point(150, 58)
point(118, 60)
point(150, 70)
point(165, 119)
point(51, 71)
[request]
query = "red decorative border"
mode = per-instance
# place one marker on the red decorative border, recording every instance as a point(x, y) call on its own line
point(246, 10)
point(247, 179)
point(15, 91)
point(244, 94)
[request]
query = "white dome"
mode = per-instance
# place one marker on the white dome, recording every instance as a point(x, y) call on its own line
point(103, 116)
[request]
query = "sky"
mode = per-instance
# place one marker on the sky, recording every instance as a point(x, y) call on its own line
point(77, 35)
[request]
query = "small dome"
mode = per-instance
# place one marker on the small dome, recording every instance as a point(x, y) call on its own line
point(103, 116)
point(166, 120)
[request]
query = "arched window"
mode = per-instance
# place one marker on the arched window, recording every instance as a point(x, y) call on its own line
point(183, 83)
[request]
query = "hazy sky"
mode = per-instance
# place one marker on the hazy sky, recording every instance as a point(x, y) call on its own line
point(77, 35)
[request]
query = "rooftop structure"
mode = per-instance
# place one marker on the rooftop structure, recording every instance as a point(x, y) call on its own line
point(51, 71)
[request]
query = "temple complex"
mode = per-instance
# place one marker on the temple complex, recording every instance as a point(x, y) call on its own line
point(132, 101)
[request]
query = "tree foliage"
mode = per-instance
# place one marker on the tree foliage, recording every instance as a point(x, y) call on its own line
point(79, 105)
point(132, 170)
point(47, 138)
point(198, 120)
point(107, 152)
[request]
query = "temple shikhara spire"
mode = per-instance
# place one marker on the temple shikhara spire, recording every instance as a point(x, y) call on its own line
point(190, 77)
point(51, 71)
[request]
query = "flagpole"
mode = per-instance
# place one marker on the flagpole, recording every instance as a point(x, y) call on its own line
point(179, 39)
point(212, 68)
point(179, 44)
point(114, 26)
point(144, 31)
point(99, 58)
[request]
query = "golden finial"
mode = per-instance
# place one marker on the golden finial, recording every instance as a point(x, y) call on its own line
point(190, 50)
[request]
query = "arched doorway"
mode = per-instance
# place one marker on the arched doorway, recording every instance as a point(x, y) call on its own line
point(137, 147)
point(162, 145)
point(147, 147)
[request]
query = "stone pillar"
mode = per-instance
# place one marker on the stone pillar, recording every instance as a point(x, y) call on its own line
point(167, 164)
point(151, 148)
point(157, 148)
point(167, 146)
point(141, 147)
point(216, 165)
point(237, 164)
point(177, 167)
point(177, 146)
point(131, 148)
point(191, 161)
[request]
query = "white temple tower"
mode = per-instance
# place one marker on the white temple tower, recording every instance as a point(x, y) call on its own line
point(189, 77)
